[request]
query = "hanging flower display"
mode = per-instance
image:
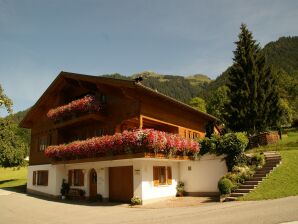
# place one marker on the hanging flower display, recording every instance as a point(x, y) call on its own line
point(85, 104)
point(140, 140)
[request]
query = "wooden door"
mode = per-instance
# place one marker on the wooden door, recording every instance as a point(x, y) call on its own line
point(93, 184)
point(121, 183)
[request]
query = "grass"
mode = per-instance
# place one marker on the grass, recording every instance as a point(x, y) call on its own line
point(13, 179)
point(283, 181)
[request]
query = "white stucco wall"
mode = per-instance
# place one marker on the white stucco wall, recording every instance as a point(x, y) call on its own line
point(56, 174)
point(149, 191)
point(198, 176)
point(203, 175)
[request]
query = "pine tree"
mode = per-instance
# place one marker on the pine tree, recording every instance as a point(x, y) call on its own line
point(253, 96)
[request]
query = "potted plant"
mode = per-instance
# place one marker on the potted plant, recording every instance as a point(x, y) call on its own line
point(180, 189)
point(64, 189)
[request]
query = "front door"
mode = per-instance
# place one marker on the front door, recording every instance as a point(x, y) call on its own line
point(93, 184)
point(121, 183)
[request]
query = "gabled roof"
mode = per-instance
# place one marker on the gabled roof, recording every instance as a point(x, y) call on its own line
point(64, 76)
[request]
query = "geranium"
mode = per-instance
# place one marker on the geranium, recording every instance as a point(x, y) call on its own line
point(85, 104)
point(147, 140)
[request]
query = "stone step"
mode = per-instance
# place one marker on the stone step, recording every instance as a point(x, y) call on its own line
point(262, 172)
point(230, 199)
point(250, 182)
point(267, 168)
point(272, 161)
point(272, 158)
point(256, 179)
point(242, 190)
point(247, 186)
point(237, 194)
point(260, 175)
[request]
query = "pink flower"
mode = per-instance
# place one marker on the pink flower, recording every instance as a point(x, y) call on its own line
point(85, 104)
point(147, 140)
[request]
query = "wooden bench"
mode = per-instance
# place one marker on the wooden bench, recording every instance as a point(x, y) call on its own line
point(76, 194)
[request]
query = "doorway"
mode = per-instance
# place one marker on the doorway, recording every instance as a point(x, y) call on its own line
point(93, 184)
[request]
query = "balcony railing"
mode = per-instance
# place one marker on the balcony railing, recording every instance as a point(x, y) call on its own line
point(127, 142)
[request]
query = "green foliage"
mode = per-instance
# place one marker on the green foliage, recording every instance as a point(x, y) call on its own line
point(232, 180)
point(198, 103)
point(256, 160)
point(180, 188)
point(136, 201)
point(12, 148)
point(286, 117)
point(5, 101)
point(217, 101)
point(209, 145)
point(253, 93)
point(64, 188)
point(242, 137)
point(232, 145)
point(225, 186)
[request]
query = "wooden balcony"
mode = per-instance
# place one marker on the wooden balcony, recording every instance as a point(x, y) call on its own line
point(82, 118)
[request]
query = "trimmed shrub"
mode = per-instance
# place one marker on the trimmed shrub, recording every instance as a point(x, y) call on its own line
point(136, 201)
point(225, 186)
point(242, 137)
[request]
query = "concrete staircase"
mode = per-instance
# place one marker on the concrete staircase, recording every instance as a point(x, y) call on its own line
point(272, 160)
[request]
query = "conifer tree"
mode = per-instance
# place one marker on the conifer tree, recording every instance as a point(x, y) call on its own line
point(253, 97)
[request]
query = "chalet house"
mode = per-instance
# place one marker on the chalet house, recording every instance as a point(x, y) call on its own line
point(74, 128)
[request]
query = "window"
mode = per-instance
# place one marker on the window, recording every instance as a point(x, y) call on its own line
point(76, 177)
point(43, 142)
point(40, 177)
point(162, 175)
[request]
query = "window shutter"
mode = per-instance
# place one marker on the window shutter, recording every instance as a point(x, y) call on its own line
point(34, 178)
point(169, 175)
point(155, 175)
point(70, 177)
point(46, 178)
point(81, 178)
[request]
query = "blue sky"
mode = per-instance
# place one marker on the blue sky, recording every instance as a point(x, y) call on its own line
point(40, 38)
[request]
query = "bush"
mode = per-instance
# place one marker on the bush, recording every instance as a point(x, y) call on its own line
point(180, 188)
point(225, 186)
point(256, 160)
point(242, 137)
point(233, 148)
point(209, 145)
point(136, 201)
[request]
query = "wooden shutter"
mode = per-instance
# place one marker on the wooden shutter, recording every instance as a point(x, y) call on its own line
point(70, 175)
point(155, 175)
point(81, 178)
point(169, 175)
point(34, 178)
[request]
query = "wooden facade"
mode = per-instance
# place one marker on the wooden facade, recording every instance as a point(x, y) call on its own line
point(125, 105)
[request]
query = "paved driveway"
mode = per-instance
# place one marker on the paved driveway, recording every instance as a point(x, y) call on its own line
point(20, 208)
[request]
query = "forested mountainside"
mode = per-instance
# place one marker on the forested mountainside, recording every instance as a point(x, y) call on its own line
point(282, 55)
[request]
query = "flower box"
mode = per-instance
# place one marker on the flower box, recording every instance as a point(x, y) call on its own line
point(127, 142)
point(74, 109)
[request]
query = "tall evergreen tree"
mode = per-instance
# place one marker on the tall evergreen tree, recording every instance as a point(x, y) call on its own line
point(253, 96)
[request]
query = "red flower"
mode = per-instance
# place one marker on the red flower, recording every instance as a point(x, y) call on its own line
point(85, 104)
point(147, 140)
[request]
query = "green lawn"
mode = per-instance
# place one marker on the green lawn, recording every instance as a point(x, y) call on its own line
point(14, 179)
point(283, 181)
